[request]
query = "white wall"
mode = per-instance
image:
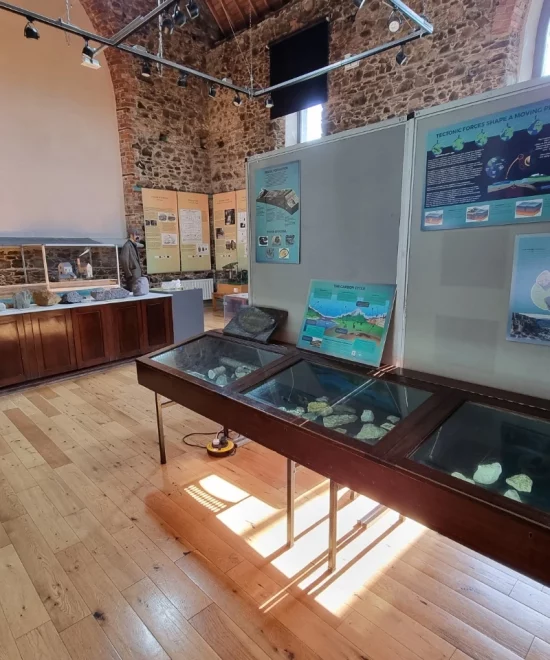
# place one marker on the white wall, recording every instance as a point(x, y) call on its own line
point(60, 170)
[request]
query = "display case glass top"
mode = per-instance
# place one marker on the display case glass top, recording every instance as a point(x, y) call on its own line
point(355, 405)
point(501, 451)
point(217, 360)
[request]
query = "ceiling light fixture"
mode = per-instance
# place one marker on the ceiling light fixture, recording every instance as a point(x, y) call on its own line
point(193, 9)
point(269, 102)
point(182, 80)
point(31, 32)
point(212, 91)
point(167, 24)
point(179, 16)
point(88, 51)
point(395, 22)
point(237, 100)
point(146, 69)
point(401, 57)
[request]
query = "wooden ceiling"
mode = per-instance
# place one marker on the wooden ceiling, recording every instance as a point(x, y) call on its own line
point(235, 15)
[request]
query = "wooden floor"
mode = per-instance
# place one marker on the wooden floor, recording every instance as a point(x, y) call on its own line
point(104, 555)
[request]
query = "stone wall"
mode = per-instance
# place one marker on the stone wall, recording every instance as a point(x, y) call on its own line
point(475, 47)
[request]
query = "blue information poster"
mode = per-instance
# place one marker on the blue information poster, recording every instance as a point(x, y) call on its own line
point(493, 170)
point(277, 195)
point(529, 316)
point(347, 320)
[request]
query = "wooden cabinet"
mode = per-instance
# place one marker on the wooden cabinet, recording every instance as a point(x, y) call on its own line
point(53, 342)
point(156, 323)
point(91, 334)
point(126, 329)
point(13, 353)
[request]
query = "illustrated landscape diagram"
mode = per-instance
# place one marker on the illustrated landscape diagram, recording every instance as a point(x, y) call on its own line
point(357, 324)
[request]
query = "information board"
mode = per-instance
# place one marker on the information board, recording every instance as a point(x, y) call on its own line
point(160, 213)
point(529, 314)
point(194, 226)
point(225, 229)
point(347, 320)
point(492, 170)
point(277, 195)
point(242, 230)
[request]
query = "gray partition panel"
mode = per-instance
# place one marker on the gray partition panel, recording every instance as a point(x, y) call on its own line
point(459, 281)
point(350, 211)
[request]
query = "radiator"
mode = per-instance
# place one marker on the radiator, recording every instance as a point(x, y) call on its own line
point(207, 287)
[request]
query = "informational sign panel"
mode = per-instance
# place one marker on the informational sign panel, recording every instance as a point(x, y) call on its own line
point(194, 226)
point(347, 320)
point(493, 170)
point(160, 213)
point(277, 195)
point(225, 229)
point(242, 230)
point(529, 316)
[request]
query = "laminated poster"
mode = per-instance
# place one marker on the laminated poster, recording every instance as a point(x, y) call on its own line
point(492, 170)
point(347, 320)
point(277, 194)
point(194, 221)
point(160, 213)
point(225, 228)
point(529, 314)
point(242, 230)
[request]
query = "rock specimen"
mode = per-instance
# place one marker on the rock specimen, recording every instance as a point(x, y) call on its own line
point(370, 432)
point(22, 300)
point(141, 287)
point(101, 294)
point(117, 293)
point(45, 298)
point(197, 375)
point(222, 380)
point(2, 307)
point(214, 373)
point(520, 482)
point(340, 429)
point(311, 417)
point(332, 421)
point(71, 297)
point(512, 495)
point(487, 474)
point(322, 398)
point(316, 406)
point(460, 476)
point(343, 408)
point(393, 419)
point(367, 416)
point(387, 426)
point(240, 372)
point(236, 364)
point(329, 410)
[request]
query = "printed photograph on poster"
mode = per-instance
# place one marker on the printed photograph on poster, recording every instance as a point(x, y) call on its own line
point(278, 210)
point(169, 239)
point(348, 320)
point(529, 313)
point(491, 170)
point(190, 225)
point(229, 216)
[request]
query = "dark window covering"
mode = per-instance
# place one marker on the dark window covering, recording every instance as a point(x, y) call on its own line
point(301, 52)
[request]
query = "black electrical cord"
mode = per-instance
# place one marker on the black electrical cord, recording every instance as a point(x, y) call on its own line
point(201, 446)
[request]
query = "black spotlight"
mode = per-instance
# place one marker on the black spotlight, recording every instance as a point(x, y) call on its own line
point(269, 102)
point(88, 51)
point(182, 80)
point(401, 57)
point(359, 3)
point(237, 100)
point(179, 17)
point(193, 9)
point(146, 69)
point(167, 24)
point(212, 91)
point(30, 31)
point(395, 22)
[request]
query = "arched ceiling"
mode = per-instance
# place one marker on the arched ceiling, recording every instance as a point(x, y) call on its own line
point(235, 15)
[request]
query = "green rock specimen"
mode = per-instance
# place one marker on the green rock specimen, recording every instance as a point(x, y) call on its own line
point(332, 421)
point(459, 475)
point(520, 482)
point(370, 432)
point(487, 474)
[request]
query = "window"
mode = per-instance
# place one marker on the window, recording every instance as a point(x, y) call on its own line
point(541, 55)
point(304, 126)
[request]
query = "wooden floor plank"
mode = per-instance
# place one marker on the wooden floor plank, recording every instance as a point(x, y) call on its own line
point(42, 404)
point(44, 643)
point(15, 473)
point(18, 598)
point(127, 633)
point(47, 518)
point(61, 600)
point(4, 538)
point(22, 448)
point(532, 597)
point(539, 651)
point(86, 641)
point(4, 447)
point(10, 506)
point(178, 638)
point(8, 647)
point(57, 491)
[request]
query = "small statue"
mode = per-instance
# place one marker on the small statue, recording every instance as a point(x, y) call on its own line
point(22, 299)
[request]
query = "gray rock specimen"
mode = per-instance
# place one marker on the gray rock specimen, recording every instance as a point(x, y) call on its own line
point(71, 297)
point(512, 495)
point(298, 411)
point(222, 380)
point(520, 482)
point(45, 298)
point(460, 476)
point(393, 419)
point(387, 426)
point(241, 372)
point(141, 287)
point(214, 373)
point(322, 398)
point(118, 293)
point(317, 406)
point(2, 307)
point(487, 474)
point(197, 375)
point(332, 421)
point(101, 294)
point(311, 417)
point(367, 416)
point(370, 432)
point(22, 299)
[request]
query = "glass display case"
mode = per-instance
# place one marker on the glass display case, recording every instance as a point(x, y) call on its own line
point(358, 406)
point(217, 360)
point(501, 451)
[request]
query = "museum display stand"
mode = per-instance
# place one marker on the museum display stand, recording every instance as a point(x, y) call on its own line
point(470, 462)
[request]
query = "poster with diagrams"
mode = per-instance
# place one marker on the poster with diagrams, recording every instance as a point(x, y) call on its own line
point(225, 229)
point(277, 195)
point(529, 312)
point(194, 227)
point(242, 230)
point(160, 213)
point(491, 170)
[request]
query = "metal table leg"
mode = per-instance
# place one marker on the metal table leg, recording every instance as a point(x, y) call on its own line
point(290, 497)
point(160, 428)
point(332, 525)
